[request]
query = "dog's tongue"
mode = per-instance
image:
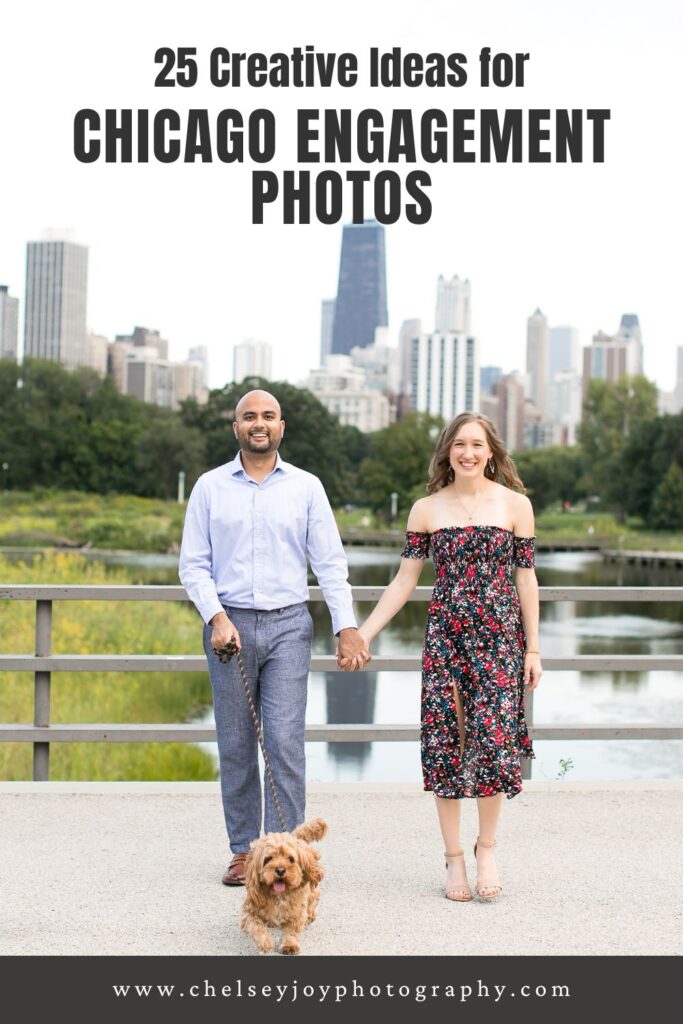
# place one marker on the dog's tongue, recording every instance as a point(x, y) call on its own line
point(279, 886)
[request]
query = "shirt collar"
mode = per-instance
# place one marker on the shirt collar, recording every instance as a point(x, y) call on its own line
point(236, 468)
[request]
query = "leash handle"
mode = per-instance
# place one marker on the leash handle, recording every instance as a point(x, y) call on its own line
point(224, 654)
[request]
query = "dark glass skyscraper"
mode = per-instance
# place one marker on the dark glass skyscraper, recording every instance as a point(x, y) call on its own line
point(362, 290)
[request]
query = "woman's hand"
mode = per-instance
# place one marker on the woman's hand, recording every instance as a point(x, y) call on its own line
point(352, 658)
point(533, 670)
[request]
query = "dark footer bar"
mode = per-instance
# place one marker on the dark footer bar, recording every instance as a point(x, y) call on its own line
point(308, 988)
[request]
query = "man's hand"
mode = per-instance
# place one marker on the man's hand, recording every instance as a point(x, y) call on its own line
point(352, 651)
point(223, 631)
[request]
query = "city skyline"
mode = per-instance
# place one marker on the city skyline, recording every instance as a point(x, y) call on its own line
point(173, 247)
point(436, 372)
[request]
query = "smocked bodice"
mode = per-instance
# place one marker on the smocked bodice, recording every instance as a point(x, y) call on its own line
point(475, 554)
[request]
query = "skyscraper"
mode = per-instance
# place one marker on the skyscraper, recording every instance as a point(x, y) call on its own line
point(252, 359)
point(9, 320)
point(200, 354)
point(445, 374)
point(629, 331)
point(488, 379)
point(510, 424)
point(563, 351)
point(610, 357)
point(452, 305)
point(326, 328)
point(56, 299)
point(409, 329)
point(361, 304)
point(537, 358)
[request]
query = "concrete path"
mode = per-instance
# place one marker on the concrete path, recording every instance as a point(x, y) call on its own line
point(124, 868)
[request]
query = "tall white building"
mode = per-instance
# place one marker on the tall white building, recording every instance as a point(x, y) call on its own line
point(9, 324)
point(56, 301)
point(341, 387)
point(629, 331)
point(537, 358)
point(444, 374)
point(252, 358)
point(452, 305)
point(565, 395)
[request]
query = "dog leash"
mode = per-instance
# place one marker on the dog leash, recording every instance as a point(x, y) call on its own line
point(224, 654)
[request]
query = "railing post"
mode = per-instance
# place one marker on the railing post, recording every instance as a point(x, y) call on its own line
point(41, 697)
point(529, 715)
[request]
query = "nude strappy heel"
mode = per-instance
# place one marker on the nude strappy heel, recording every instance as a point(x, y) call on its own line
point(458, 894)
point(492, 890)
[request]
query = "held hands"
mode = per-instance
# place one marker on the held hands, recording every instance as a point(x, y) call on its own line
point(533, 670)
point(352, 651)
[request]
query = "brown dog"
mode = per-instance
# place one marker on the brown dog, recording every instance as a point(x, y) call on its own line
point(282, 875)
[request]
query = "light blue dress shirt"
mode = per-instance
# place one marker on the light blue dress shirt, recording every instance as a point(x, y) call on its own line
point(245, 544)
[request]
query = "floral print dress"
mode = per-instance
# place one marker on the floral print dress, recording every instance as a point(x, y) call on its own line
point(474, 641)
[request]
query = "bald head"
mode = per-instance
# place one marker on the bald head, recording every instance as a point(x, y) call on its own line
point(258, 423)
point(260, 399)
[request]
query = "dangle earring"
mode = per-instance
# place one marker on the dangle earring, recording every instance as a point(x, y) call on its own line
point(451, 475)
point(491, 466)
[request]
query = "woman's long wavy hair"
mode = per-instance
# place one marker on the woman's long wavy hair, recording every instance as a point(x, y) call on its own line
point(503, 469)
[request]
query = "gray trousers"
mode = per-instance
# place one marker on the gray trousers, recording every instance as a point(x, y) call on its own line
point(276, 648)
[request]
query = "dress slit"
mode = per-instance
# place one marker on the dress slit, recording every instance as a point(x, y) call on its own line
point(460, 718)
point(473, 731)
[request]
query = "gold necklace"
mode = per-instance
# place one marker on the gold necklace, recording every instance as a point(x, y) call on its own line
point(470, 515)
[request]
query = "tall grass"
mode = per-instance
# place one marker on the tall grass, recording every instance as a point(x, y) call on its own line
point(102, 628)
point(116, 522)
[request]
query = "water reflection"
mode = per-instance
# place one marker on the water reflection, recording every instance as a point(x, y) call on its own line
point(567, 629)
point(350, 698)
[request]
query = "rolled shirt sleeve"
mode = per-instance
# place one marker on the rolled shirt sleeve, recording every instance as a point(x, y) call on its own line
point(328, 560)
point(195, 563)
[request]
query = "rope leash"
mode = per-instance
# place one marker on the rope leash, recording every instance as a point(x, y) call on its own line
point(224, 654)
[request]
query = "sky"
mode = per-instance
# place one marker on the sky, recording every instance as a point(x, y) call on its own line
point(172, 246)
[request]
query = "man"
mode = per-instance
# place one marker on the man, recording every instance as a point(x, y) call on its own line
point(249, 528)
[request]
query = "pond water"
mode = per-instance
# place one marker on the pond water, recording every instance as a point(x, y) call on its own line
point(566, 629)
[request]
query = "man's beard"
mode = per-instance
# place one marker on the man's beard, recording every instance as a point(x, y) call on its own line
point(257, 446)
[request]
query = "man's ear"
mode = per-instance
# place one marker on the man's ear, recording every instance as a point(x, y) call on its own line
point(282, 430)
point(234, 427)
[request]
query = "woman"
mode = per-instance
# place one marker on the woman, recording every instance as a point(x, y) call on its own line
point(481, 642)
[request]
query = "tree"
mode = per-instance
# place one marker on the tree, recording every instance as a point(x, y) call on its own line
point(645, 459)
point(73, 430)
point(164, 449)
point(612, 411)
point(399, 461)
point(667, 505)
point(551, 474)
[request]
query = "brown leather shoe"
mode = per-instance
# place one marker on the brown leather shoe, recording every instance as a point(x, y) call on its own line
point(235, 873)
